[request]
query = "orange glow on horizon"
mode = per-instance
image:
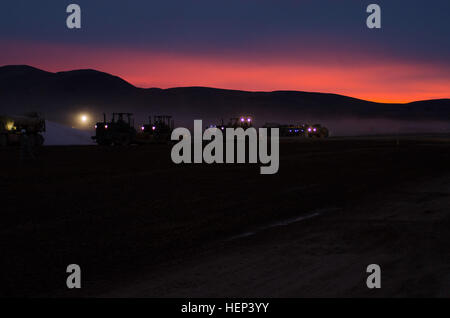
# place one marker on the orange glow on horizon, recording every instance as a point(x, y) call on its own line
point(366, 78)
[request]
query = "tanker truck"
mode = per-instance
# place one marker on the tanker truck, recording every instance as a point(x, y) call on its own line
point(12, 127)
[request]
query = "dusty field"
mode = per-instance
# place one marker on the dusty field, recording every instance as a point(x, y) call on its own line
point(139, 225)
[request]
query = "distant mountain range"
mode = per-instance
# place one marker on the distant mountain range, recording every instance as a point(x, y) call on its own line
point(62, 96)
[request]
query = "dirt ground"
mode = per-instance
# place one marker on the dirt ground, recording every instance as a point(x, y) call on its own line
point(141, 226)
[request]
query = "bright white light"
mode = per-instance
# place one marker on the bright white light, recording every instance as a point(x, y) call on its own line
point(84, 118)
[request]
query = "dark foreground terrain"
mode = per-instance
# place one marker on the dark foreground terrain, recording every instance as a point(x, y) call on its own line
point(138, 225)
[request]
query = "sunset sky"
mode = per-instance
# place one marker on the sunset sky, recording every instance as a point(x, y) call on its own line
point(258, 45)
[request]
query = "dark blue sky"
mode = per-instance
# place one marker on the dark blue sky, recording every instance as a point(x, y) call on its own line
point(414, 28)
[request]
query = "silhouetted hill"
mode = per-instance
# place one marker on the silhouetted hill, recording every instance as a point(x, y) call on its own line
point(23, 78)
point(62, 95)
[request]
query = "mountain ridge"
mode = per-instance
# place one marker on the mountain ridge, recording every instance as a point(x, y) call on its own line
point(63, 95)
point(22, 67)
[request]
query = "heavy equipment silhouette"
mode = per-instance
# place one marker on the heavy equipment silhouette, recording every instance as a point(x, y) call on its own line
point(119, 131)
point(13, 127)
point(300, 130)
point(159, 130)
point(316, 131)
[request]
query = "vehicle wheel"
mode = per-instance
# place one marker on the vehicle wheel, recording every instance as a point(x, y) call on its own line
point(3, 141)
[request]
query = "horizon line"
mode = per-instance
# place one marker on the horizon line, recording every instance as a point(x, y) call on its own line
point(138, 86)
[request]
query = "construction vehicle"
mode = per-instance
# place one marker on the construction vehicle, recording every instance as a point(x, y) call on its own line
point(316, 131)
point(236, 122)
point(300, 130)
point(242, 122)
point(294, 130)
point(119, 131)
point(13, 127)
point(160, 130)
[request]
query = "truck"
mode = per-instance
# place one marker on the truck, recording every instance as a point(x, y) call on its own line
point(119, 131)
point(300, 130)
point(243, 122)
point(13, 127)
point(158, 131)
point(316, 131)
point(288, 130)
